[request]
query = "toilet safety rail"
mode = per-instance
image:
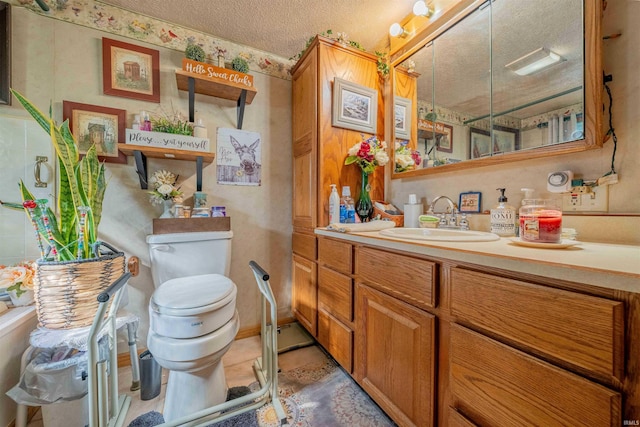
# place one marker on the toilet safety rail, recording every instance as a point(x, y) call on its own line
point(265, 368)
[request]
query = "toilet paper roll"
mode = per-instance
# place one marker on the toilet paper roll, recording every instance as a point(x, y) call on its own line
point(411, 214)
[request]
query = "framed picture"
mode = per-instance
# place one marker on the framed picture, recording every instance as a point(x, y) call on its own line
point(5, 53)
point(444, 139)
point(130, 71)
point(402, 117)
point(470, 202)
point(102, 126)
point(355, 107)
point(505, 140)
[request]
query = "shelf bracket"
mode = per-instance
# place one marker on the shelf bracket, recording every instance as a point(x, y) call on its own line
point(241, 102)
point(192, 97)
point(141, 168)
point(199, 173)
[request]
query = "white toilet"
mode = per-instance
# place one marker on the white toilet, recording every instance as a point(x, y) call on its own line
point(193, 317)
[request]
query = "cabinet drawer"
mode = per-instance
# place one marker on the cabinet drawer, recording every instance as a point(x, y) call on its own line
point(407, 278)
point(304, 245)
point(494, 384)
point(585, 331)
point(335, 294)
point(335, 254)
point(456, 419)
point(336, 338)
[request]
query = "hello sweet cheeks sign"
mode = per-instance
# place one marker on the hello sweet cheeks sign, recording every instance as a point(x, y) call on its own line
point(216, 73)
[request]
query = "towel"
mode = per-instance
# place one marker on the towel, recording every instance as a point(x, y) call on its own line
point(376, 225)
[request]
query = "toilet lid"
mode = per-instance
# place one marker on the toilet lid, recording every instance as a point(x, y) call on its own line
point(184, 294)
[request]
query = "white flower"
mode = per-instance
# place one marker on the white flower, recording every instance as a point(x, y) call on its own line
point(404, 160)
point(382, 158)
point(165, 189)
point(353, 151)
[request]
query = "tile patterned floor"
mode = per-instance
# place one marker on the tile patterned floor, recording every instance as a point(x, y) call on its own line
point(238, 368)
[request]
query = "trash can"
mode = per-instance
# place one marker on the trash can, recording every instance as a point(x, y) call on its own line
point(150, 376)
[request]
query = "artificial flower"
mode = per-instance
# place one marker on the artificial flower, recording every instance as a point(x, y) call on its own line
point(368, 154)
point(164, 187)
point(405, 157)
point(18, 278)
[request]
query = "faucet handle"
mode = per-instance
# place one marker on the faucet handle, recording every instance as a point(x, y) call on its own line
point(443, 219)
point(464, 222)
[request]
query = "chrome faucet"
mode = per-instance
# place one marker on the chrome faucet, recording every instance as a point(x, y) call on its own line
point(452, 211)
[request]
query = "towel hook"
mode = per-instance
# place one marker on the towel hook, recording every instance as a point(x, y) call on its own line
point(36, 171)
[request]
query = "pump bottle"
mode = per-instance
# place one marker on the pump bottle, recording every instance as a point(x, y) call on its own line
point(347, 207)
point(334, 205)
point(503, 217)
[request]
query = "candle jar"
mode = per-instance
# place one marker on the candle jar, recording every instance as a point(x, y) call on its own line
point(540, 221)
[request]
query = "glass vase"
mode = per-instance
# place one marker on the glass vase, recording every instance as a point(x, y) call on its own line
point(364, 207)
point(166, 206)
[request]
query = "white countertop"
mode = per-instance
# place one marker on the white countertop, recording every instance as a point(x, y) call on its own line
point(612, 266)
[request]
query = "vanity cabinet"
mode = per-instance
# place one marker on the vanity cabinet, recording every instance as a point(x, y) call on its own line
point(319, 151)
point(395, 336)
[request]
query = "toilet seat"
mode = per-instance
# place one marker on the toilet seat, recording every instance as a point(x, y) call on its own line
point(192, 306)
point(192, 295)
point(180, 350)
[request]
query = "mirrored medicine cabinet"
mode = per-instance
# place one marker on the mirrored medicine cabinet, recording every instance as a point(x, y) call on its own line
point(497, 81)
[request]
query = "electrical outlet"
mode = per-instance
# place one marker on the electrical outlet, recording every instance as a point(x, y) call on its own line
point(597, 200)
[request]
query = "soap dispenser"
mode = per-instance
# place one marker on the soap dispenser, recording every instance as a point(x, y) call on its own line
point(334, 206)
point(503, 217)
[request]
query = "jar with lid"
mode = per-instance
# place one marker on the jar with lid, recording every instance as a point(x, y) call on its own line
point(541, 221)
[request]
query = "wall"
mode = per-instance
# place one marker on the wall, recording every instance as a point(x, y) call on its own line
point(621, 59)
point(55, 60)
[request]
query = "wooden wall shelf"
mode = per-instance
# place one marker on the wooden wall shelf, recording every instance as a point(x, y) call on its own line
point(140, 153)
point(194, 83)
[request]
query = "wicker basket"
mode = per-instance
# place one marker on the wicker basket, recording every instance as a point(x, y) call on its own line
point(66, 291)
point(397, 219)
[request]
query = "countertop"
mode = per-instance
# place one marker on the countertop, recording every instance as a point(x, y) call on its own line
point(612, 266)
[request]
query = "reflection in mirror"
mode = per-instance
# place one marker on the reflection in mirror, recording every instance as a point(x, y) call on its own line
point(476, 91)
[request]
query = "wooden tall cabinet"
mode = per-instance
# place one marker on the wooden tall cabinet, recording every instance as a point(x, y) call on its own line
point(319, 150)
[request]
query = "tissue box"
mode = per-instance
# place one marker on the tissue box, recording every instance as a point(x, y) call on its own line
point(397, 219)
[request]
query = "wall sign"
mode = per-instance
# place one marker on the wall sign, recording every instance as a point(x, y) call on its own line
point(166, 140)
point(218, 74)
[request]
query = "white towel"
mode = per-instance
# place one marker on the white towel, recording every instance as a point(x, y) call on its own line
point(375, 225)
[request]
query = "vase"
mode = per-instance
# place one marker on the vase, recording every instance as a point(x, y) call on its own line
point(166, 205)
point(25, 298)
point(364, 207)
point(221, 61)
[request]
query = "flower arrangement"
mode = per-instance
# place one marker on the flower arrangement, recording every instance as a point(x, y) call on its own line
point(339, 37)
point(18, 277)
point(405, 157)
point(368, 154)
point(163, 183)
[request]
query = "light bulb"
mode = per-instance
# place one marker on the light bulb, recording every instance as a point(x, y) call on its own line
point(420, 8)
point(396, 30)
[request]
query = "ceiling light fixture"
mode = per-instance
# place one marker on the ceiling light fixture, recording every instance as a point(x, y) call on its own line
point(397, 30)
point(421, 9)
point(535, 61)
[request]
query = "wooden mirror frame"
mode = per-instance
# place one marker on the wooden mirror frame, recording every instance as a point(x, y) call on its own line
point(453, 11)
point(5, 53)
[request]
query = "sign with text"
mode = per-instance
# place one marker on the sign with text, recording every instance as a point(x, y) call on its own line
point(166, 140)
point(431, 126)
point(214, 73)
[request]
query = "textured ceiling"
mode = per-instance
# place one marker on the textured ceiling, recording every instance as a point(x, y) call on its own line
point(281, 27)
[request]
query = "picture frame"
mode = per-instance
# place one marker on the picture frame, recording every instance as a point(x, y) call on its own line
point(355, 107)
point(5, 53)
point(402, 117)
point(130, 71)
point(444, 140)
point(470, 202)
point(505, 140)
point(94, 124)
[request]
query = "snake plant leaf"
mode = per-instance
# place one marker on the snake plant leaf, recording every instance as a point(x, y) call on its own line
point(40, 118)
point(12, 205)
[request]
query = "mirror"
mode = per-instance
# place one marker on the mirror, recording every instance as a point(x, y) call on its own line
point(500, 81)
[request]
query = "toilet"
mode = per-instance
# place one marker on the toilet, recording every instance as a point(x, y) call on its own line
point(192, 317)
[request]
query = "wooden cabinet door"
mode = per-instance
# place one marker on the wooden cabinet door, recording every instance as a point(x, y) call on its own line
point(305, 140)
point(496, 385)
point(395, 345)
point(304, 293)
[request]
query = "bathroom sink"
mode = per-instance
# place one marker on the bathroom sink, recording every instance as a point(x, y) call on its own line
point(440, 234)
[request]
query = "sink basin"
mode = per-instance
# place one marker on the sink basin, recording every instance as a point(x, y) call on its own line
point(440, 234)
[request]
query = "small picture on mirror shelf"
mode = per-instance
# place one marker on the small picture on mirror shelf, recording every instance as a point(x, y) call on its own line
point(470, 202)
point(355, 107)
point(505, 140)
point(402, 117)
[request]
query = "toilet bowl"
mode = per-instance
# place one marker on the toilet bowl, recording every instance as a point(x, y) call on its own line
point(193, 318)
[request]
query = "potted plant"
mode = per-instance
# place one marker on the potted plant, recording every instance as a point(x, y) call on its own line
point(240, 64)
point(73, 267)
point(195, 52)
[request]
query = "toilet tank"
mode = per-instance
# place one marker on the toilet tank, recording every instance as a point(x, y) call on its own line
point(176, 255)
